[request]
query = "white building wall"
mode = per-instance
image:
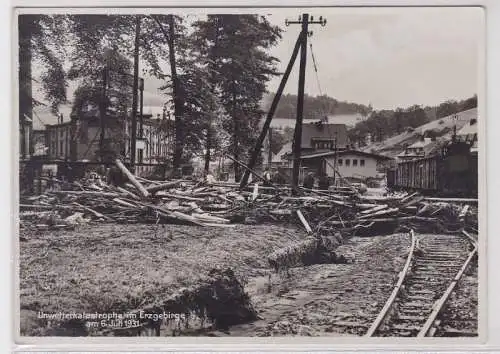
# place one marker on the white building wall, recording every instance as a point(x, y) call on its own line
point(368, 170)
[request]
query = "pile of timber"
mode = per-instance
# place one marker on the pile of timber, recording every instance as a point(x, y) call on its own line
point(376, 214)
point(369, 215)
point(137, 201)
point(225, 204)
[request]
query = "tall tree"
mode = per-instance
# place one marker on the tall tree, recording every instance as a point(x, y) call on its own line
point(243, 69)
point(41, 40)
point(190, 87)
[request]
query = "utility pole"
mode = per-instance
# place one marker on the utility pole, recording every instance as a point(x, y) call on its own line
point(301, 44)
point(270, 152)
point(134, 94)
point(297, 141)
point(335, 158)
point(141, 106)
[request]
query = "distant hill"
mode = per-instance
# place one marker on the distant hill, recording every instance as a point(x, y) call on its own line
point(382, 125)
point(440, 129)
point(315, 107)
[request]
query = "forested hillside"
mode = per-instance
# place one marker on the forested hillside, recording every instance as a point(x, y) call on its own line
point(315, 107)
point(383, 124)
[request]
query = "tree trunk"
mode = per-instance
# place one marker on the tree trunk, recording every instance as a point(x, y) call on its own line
point(213, 84)
point(236, 138)
point(26, 23)
point(178, 101)
point(270, 151)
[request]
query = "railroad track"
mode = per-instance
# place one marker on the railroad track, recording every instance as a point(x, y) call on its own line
point(432, 270)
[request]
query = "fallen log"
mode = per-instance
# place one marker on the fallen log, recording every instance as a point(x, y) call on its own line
point(94, 193)
point(182, 197)
point(161, 187)
point(97, 214)
point(464, 211)
point(124, 203)
point(412, 202)
point(425, 208)
point(304, 222)
point(452, 200)
point(210, 219)
point(374, 209)
point(132, 178)
point(255, 191)
point(403, 200)
point(45, 207)
point(378, 213)
point(129, 193)
point(219, 225)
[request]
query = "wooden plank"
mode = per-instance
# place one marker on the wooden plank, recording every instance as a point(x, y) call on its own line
point(255, 191)
point(452, 200)
point(95, 193)
point(374, 209)
point(183, 197)
point(304, 222)
point(132, 178)
point(464, 211)
point(124, 203)
point(129, 193)
point(381, 212)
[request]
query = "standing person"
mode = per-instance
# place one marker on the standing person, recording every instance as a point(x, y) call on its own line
point(267, 178)
point(324, 182)
point(209, 179)
point(50, 180)
point(309, 181)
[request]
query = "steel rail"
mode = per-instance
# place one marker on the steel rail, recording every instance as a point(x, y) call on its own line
point(430, 326)
point(402, 275)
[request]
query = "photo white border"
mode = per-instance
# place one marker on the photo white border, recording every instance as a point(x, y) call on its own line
point(285, 343)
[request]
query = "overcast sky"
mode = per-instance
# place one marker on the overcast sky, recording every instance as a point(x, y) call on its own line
point(389, 57)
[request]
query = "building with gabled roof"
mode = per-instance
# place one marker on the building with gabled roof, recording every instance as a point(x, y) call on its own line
point(351, 164)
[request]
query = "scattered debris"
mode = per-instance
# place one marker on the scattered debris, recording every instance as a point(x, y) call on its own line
point(220, 204)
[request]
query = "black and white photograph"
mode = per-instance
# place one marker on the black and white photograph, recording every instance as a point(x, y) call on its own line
point(281, 172)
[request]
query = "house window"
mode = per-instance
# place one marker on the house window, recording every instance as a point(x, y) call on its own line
point(347, 162)
point(61, 147)
point(340, 162)
point(361, 163)
point(140, 155)
point(355, 162)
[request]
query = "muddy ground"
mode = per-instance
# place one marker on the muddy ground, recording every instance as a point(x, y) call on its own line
point(103, 268)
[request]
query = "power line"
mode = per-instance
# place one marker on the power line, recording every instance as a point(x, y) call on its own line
point(316, 69)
